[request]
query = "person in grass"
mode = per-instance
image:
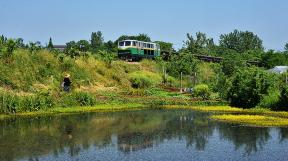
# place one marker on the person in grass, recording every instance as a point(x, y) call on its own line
point(66, 84)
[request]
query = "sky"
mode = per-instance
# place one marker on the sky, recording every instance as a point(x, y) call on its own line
point(163, 20)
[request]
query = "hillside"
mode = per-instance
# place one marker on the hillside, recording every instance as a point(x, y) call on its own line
point(32, 81)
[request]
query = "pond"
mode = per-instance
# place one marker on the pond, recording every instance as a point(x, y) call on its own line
point(138, 135)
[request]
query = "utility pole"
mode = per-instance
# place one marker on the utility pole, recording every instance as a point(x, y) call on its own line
point(181, 82)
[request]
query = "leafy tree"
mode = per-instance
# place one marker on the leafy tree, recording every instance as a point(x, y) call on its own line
point(283, 102)
point(50, 44)
point(107, 57)
point(231, 63)
point(271, 59)
point(241, 41)
point(83, 45)
point(110, 46)
point(140, 37)
point(166, 49)
point(72, 49)
point(199, 44)
point(286, 47)
point(202, 90)
point(97, 41)
point(34, 46)
point(183, 62)
point(249, 86)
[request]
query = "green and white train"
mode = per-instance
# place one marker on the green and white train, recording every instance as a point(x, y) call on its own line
point(136, 50)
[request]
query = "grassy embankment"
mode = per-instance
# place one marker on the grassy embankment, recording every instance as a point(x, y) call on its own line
point(30, 84)
point(253, 117)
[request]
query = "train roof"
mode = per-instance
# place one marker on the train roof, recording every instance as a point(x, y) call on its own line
point(140, 41)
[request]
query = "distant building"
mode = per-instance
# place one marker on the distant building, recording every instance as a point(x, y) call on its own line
point(59, 47)
point(279, 69)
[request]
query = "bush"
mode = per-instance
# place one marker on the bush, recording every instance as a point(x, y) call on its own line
point(283, 102)
point(85, 99)
point(249, 86)
point(12, 103)
point(202, 90)
point(143, 79)
point(271, 100)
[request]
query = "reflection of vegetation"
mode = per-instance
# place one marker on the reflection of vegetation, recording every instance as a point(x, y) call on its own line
point(132, 130)
point(252, 120)
point(248, 137)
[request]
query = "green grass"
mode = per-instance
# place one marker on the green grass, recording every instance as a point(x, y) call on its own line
point(253, 120)
point(78, 109)
point(255, 117)
point(226, 109)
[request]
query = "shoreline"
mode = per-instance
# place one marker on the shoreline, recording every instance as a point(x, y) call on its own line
point(248, 117)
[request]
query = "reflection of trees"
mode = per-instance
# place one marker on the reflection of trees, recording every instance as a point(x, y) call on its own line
point(135, 130)
point(251, 138)
point(283, 133)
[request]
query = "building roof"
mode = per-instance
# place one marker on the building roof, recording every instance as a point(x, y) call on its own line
point(279, 69)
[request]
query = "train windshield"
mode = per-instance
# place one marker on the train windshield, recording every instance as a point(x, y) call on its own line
point(121, 43)
point(127, 43)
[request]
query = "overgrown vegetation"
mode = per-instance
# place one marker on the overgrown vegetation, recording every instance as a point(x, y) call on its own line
point(31, 74)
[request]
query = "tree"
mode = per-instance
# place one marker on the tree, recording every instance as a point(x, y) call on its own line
point(199, 44)
point(83, 45)
point(286, 47)
point(110, 46)
point(72, 49)
point(140, 37)
point(97, 41)
point(50, 44)
point(166, 49)
point(34, 46)
point(271, 59)
point(183, 63)
point(241, 41)
point(249, 86)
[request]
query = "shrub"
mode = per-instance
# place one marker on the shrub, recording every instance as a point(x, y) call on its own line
point(202, 90)
point(283, 102)
point(85, 99)
point(271, 100)
point(144, 79)
point(249, 86)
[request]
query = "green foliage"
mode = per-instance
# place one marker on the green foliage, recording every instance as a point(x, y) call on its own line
point(50, 44)
point(271, 59)
point(85, 99)
point(184, 62)
point(271, 100)
point(202, 90)
point(12, 103)
point(142, 79)
point(97, 41)
point(286, 47)
point(198, 44)
point(231, 64)
point(83, 45)
point(34, 47)
point(107, 57)
point(241, 41)
point(283, 102)
point(249, 86)
point(140, 37)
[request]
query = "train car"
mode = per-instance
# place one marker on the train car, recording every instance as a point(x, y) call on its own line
point(137, 50)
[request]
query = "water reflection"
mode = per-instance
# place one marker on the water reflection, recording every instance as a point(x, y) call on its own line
point(128, 132)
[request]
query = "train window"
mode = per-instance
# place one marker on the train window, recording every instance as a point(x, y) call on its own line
point(121, 43)
point(127, 43)
point(134, 43)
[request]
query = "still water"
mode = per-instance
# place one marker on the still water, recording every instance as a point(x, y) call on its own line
point(138, 135)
